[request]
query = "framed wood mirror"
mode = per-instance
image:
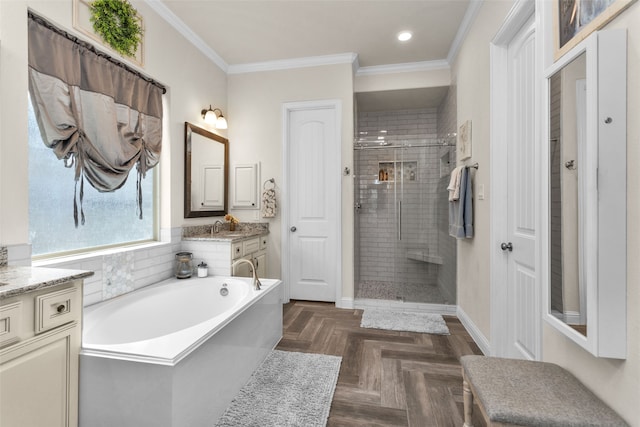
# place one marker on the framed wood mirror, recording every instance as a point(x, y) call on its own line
point(206, 172)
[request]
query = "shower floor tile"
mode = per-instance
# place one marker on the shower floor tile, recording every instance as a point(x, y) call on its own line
point(409, 292)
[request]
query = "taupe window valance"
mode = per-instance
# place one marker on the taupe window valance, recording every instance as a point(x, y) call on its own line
point(95, 113)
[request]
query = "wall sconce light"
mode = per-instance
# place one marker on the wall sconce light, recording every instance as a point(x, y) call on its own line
point(211, 117)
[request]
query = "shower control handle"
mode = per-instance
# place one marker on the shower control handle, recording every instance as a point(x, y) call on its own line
point(293, 229)
point(507, 246)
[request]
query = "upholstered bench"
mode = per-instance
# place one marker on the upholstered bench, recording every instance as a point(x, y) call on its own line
point(513, 392)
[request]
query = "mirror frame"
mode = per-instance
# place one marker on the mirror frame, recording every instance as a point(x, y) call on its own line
point(602, 200)
point(189, 129)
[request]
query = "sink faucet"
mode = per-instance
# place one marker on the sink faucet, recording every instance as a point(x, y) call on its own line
point(216, 227)
point(256, 282)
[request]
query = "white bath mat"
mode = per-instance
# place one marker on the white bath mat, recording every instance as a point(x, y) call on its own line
point(396, 320)
point(289, 389)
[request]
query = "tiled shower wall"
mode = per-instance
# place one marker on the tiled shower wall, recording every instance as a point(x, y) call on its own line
point(422, 201)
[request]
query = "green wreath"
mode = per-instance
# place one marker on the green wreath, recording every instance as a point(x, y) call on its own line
point(117, 23)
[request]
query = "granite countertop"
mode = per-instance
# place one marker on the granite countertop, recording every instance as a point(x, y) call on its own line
point(243, 231)
point(226, 235)
point(20, 280)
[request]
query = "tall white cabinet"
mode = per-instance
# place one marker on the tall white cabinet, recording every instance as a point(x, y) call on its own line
point(40, 339)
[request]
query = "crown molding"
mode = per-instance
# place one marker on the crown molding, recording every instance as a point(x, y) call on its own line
point(463, 29)
point(161, 9)
point(407, 67)
point(285, 64)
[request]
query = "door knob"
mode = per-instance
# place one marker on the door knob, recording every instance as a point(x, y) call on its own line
point(293, 229)
point(507, 246)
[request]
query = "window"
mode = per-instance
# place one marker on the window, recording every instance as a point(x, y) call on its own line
point(111, 218)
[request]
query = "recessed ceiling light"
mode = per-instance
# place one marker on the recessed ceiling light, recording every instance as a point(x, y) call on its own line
point(404, 36)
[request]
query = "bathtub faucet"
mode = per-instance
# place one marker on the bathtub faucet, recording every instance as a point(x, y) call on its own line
point(256, 282)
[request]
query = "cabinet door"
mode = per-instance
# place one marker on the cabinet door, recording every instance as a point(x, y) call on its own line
point(245, 191)
point(39, 381)
point(212, 188)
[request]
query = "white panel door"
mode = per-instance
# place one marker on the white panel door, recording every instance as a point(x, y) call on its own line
point(313, 203)
point(522, 292)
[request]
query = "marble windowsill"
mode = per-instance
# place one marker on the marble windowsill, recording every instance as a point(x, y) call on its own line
point(19, 280)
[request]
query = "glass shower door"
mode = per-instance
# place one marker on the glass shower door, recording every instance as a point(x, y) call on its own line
point(402, 248)
point(379, 230)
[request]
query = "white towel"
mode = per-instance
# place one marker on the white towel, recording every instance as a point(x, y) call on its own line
point(454, 183)
point(269, 203)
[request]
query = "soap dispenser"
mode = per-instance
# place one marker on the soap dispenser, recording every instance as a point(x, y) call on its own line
point(203, 271)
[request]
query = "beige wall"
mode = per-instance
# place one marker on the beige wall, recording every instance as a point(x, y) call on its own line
point(255, 135)
point(616, 382)
point(470, 73)
point(192, 80)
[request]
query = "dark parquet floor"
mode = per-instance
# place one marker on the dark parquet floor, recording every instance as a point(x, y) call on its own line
point(386, 378)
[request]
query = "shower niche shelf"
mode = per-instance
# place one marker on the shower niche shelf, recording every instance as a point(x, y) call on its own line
point(406, 170)
point(424, 256)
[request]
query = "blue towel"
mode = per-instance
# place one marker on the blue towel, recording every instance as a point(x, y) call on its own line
point(461, 210)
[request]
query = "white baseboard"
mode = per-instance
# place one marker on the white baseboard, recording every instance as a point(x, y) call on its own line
point(472, 329)
point(345, 303)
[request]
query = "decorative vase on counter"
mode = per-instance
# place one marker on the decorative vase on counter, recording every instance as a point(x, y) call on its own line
point(232, 226)
point(184, 266)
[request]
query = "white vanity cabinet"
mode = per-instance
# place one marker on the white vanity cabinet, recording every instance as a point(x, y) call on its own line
point(219, 252)
point(40, 338)
point(254, 249)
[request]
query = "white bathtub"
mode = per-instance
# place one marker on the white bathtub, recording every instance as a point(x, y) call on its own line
point(174, 354)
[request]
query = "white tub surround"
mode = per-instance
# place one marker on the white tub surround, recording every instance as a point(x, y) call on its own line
point(175, 354)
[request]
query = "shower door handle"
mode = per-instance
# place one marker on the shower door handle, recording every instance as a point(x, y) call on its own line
point(399, 219)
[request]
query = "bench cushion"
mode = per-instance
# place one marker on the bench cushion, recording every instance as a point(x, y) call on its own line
point(534, 394)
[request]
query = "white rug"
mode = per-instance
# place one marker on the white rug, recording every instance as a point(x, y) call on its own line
point(396, 320)
point(289, 389)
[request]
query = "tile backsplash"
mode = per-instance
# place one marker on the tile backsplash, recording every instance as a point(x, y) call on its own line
point(4, 256)
point(118, 274)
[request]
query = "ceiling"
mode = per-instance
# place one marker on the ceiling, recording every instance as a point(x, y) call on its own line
point(257, 31)
point(237, 34)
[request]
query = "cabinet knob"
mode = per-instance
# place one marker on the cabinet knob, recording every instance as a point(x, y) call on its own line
point(61, 308)
point(293, 229)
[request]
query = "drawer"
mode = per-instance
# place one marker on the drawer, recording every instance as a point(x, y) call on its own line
point(263, 243)
point(10, 323)
point(250, 246)
point(236, 250)
point(57, 308)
